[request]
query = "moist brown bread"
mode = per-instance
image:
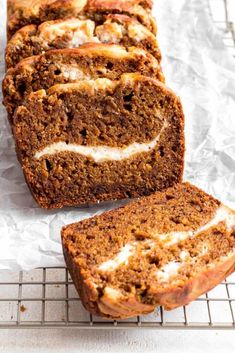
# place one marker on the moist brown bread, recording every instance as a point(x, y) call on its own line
point(173, 270)
point(25, 12)
point(90, 61)
point(101, 113)
point(71, 33)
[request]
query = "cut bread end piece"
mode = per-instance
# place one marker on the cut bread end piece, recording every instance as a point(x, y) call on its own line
point(72, 33)
point(90, 61)
point(100, 140)
point(165, 249)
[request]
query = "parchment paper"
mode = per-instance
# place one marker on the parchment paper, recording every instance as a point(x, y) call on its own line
point(200, 71)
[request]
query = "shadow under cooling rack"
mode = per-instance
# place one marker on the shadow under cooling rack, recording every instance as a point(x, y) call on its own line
point(47, 298)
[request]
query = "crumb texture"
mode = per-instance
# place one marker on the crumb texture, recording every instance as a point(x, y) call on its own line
point(97, 140)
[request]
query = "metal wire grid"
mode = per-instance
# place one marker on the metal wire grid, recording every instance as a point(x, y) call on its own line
point(223, 15)
point(47, 297)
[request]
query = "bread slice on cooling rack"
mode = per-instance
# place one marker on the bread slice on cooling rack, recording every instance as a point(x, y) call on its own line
point(90, 61)
point(165, 249)
point(98, 140)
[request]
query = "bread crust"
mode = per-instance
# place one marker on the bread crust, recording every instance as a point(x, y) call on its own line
point(126, 307)
point(197, 286)
point(103, 306)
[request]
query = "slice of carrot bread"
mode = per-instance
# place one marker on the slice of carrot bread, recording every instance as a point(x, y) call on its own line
point(165, 249)
point(71, 33)
point(22, 13)
point(90, 61)
point(100, 140)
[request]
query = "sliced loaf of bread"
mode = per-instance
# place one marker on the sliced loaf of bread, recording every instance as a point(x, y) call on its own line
point(166, 249)
point(27, 12)
point(90, 61)
point(72, 33)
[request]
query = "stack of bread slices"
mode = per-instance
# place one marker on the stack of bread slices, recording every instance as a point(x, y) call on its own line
point(93, 120)
point(86, 99)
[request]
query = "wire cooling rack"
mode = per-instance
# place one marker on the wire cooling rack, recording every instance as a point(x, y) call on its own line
point(223, 15)
point(47, 298)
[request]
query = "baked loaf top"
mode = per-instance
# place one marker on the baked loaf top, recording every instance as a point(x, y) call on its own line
point(71, 33)
point(21, 13)
point(98, 140)
point(90, 61)
point(166, 249)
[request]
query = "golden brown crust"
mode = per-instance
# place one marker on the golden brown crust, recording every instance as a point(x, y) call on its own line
point(86, 292)
point(196, 286)
point(130, 306)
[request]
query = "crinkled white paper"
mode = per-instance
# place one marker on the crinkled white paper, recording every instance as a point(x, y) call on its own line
point(200, 71)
